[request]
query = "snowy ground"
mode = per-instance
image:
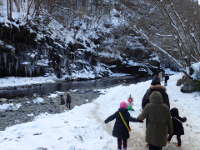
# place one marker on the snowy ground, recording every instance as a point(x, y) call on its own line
point(21, 81)
point(83, 129)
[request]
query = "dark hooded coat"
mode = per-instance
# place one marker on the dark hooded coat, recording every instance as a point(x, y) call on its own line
point(157, 87)
point(159, 120)
point(177, 122)
point(120, 130)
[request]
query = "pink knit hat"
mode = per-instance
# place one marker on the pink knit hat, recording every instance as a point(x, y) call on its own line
point(123, 104)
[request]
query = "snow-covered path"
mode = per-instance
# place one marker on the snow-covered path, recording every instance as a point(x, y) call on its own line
point(83, 128)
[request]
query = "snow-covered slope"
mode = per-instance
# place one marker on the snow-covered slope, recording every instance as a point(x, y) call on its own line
point(83, 128)
point(95, 45)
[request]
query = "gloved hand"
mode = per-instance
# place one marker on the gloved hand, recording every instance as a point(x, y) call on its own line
point(140, 121)
point(184, 119)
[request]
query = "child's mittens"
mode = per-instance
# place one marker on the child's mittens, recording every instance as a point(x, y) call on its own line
point(184, 119)
point(106, 121)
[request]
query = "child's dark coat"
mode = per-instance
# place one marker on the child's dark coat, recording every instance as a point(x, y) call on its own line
point(119, 130)
point(177, 122)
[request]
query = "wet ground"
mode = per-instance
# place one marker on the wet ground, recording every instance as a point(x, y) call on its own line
point(81, 92)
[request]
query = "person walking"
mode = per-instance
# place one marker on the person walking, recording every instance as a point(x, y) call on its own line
point(178, 129)
point(159, 121)
point(121, 127)
point(166, 79)
point(155, 86)
point(68, 101)
point(65, 100)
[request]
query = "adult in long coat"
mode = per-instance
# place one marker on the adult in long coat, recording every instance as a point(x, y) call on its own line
point(120, 131)
point(159, 121)
point(155, 86)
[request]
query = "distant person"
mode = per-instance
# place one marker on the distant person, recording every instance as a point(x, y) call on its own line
point(166, 79)
point(155, 86)
point(159, 121)
point(121, 127)
point(66, 100)
point(178, 126)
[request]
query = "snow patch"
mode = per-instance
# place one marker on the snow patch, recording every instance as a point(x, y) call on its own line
point(12, 106)
point(38, 100)
point(196, 68)
point(22, 81)
point(53, 95)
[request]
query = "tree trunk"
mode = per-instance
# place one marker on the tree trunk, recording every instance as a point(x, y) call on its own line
point(9, 9)
point(17, 4)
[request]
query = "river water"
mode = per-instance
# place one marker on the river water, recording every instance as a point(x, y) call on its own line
point(43, 89)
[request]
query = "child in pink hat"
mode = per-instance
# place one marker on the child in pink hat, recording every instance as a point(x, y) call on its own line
point(124, 105)
point(121, 127)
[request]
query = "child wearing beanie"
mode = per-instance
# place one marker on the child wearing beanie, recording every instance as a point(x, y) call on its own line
point(121, 127)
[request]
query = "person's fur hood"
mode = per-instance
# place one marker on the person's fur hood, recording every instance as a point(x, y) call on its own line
point(158, 86)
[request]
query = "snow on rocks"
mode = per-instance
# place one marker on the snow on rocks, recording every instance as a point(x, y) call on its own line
point(38, 100)
point(12, 106)
point(196, 68)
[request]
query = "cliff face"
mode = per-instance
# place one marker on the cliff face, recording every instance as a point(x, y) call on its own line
point(90, 47)
point(29, 50)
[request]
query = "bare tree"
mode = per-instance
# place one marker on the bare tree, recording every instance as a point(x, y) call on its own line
point(9, 9)
point(17, 4)
point(186, 33)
